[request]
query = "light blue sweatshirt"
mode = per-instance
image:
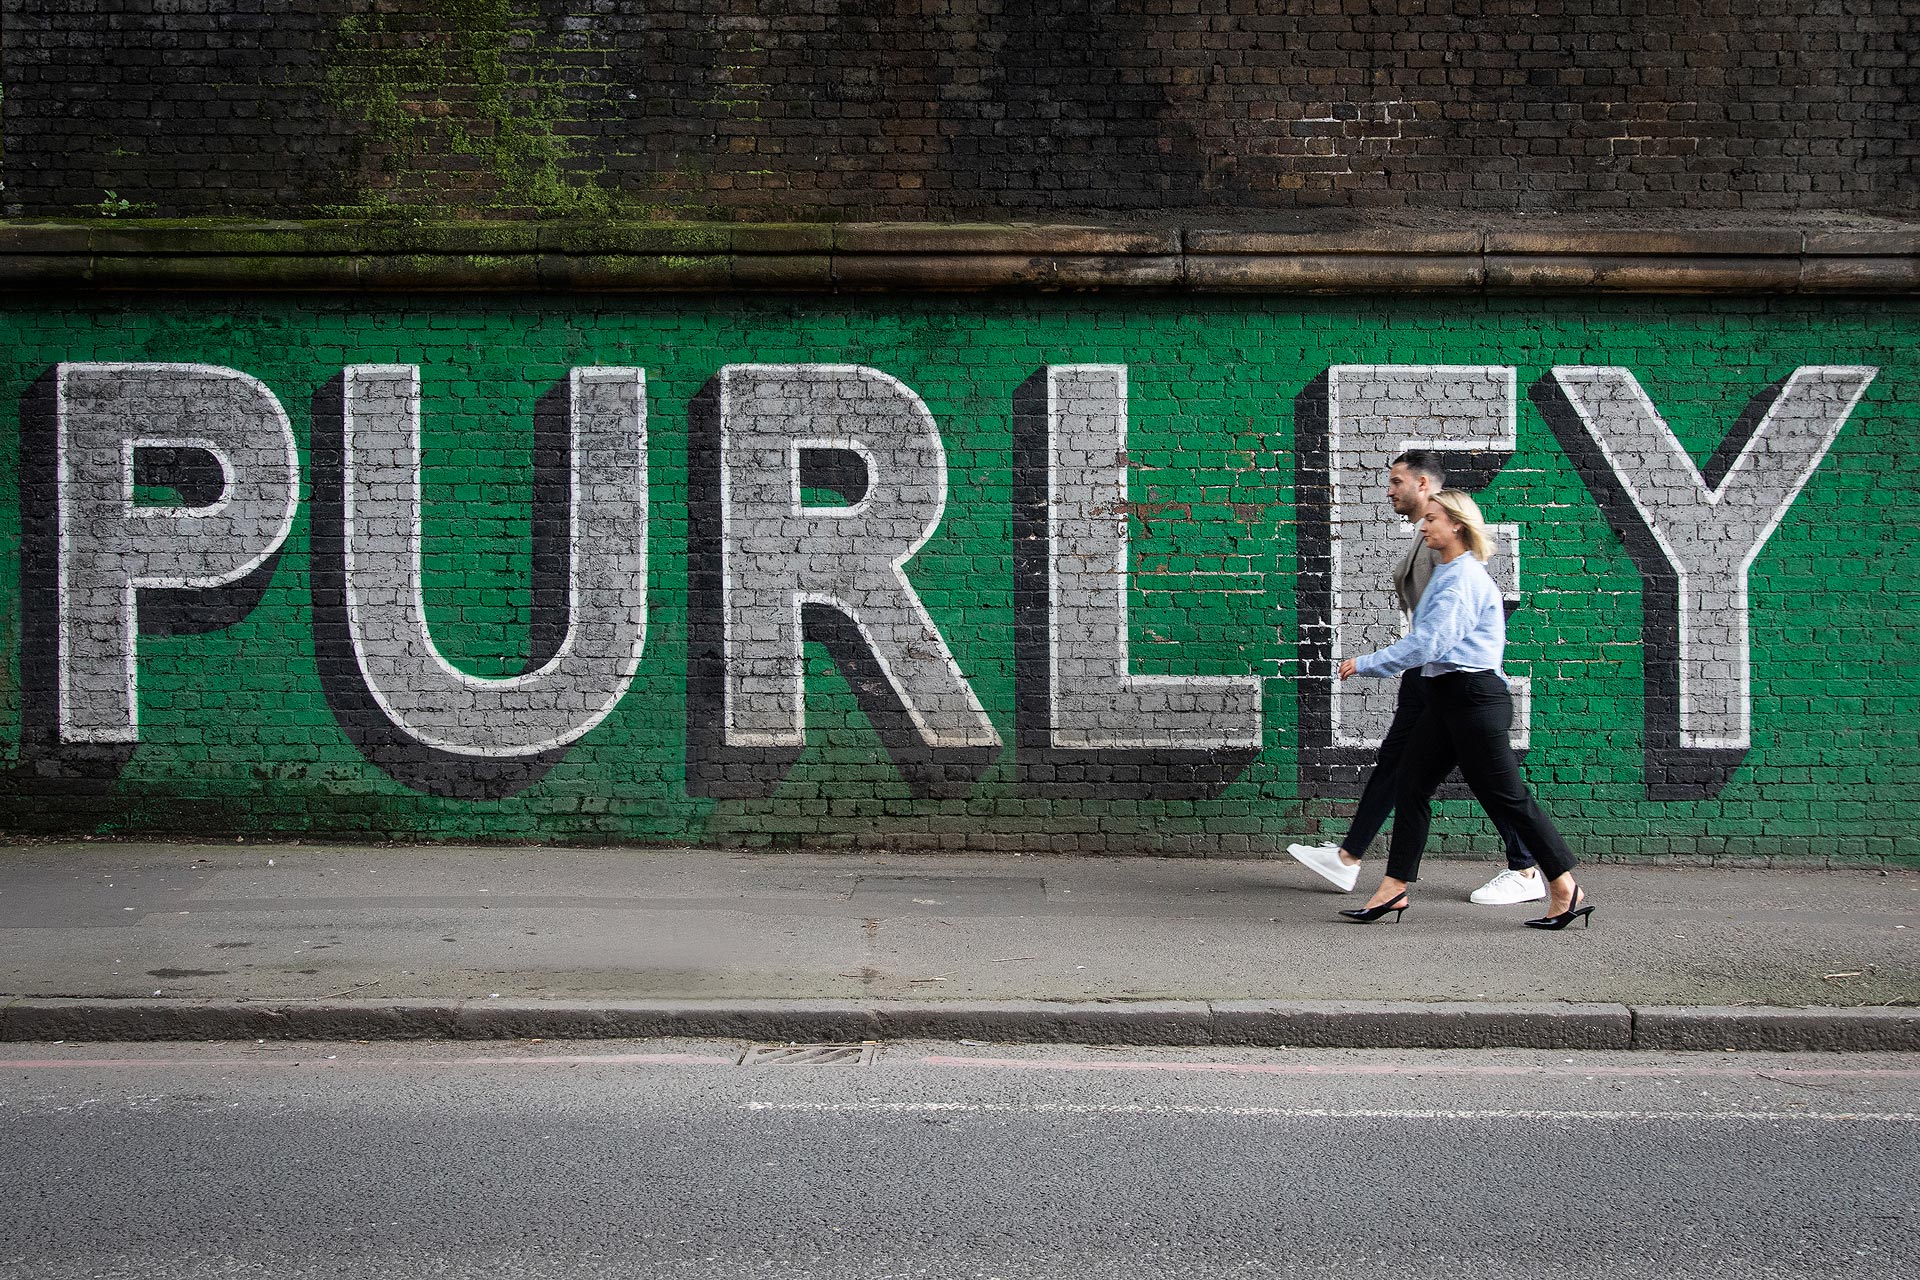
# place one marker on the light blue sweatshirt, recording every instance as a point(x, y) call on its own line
point(1461, 625)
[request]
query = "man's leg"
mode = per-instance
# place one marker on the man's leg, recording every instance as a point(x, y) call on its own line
point(1521, 881)
point(1518, 858)
point(1341, 866)
point(1383, 784)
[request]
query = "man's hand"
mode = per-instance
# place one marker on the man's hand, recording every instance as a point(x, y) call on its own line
point(1349, 669)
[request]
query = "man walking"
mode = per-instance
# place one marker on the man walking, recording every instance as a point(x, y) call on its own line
point(1413, 479)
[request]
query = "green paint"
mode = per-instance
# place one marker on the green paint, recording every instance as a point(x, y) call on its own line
point(236, 737)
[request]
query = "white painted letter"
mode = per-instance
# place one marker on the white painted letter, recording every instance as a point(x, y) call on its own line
point(109, 548)
point(425, 696)
point(1374, 414)
point(778, 554)
point(1095, 702)
point(1709, 527)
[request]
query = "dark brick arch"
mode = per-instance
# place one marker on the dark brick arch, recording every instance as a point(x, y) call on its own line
point(897, 109)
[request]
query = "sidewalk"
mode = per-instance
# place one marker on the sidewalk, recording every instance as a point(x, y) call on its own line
point(199, 941)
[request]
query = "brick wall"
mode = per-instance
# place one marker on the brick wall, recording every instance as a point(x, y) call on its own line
point(829, 108)
point(655, 595)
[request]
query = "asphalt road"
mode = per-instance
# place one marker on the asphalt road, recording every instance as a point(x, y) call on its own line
point(667, 1159)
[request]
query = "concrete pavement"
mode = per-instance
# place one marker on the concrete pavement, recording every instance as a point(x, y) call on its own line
point(146, 941)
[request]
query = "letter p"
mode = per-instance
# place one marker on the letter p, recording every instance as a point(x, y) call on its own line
point(109, 547)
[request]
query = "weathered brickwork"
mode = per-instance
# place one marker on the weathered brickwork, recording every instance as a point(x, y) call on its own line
point(905, 109)
point(1039, 573)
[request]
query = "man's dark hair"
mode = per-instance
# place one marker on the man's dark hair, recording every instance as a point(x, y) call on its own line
point(1426, 462)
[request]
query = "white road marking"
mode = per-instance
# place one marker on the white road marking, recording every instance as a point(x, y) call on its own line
point(1425, 1068)
point(1317, 1113)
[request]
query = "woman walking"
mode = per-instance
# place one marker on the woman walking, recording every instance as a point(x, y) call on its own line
point(1458, 640)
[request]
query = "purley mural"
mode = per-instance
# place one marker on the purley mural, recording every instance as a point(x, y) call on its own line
point(864, 573)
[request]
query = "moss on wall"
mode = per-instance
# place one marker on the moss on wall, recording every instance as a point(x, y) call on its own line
point(459, 102)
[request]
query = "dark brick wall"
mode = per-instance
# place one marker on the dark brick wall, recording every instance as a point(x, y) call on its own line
point(951, 108)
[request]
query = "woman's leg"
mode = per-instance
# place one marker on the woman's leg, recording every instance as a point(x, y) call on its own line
point(1383, 784)
point(1479, 710)
point(1430, 757)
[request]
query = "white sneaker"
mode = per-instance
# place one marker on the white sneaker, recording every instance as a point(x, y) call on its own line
point(1509, 887)
point(1324, 860)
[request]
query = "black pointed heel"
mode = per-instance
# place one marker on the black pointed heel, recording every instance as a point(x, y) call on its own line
point(1367, 915)
point(1578, 908)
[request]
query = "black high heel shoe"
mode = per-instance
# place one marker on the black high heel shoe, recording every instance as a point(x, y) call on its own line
point(1367, 915)
point(1578, 908)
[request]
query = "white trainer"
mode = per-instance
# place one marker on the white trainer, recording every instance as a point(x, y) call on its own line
point(1324, 860)
point(1510, 887)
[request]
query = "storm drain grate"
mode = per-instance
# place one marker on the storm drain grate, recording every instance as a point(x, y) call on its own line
point(809, 1055)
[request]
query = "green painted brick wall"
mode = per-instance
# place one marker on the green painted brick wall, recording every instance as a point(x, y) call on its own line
point(237, 738)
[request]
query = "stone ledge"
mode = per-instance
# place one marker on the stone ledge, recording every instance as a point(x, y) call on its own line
point(1647, 272)
point(975, 271)
point(1333, 272)
point(117, 254)
point(1009, 239)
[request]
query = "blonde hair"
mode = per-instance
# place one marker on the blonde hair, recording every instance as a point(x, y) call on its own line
point(1465, 513)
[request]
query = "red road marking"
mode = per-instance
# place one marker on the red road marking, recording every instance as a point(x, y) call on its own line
point(314, 1060)
point(1025, 1064)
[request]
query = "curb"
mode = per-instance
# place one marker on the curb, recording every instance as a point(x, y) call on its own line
point(1242, 1023)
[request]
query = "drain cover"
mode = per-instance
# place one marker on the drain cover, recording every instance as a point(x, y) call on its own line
point(808, 1055)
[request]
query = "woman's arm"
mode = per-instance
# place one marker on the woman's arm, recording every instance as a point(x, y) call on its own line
point(1445, 616)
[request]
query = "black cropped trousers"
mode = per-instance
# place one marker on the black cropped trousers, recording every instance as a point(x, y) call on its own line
point(1383, 784)
point(1466, 720)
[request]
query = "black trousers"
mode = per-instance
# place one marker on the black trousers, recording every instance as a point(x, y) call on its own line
point(1467, 716)
point(1383, 784)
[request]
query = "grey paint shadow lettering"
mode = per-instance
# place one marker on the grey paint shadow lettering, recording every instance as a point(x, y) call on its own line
point(1085, 725)
point(1349, 423)
point(360, 714)
point(768, 571)
point(1693, 533)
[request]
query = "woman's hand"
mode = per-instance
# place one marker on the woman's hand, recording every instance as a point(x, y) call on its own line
point(1349, 669)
